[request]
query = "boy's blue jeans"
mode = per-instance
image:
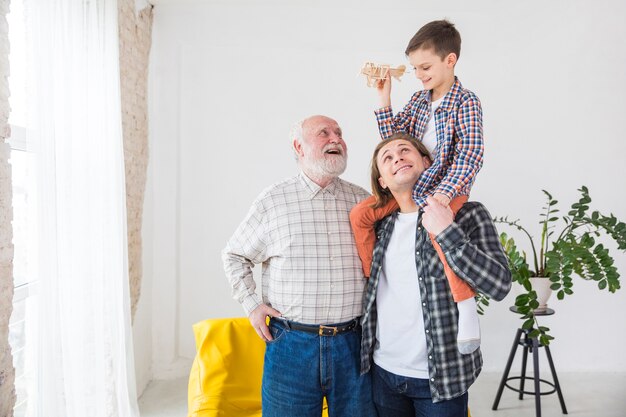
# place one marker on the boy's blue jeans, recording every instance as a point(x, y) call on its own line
point(401, 396)
point(302, 368)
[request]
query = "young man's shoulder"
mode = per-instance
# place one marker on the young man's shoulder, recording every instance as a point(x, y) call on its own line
point(473, 211)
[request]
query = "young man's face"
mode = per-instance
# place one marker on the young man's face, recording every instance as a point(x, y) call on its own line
point(400, 165)
point(435, 73)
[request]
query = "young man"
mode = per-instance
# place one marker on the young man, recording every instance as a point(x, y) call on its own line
point(409, 315)
point(299, 230)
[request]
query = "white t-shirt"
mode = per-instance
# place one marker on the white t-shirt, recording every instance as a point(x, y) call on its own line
point(430, 133)
point(401, 344)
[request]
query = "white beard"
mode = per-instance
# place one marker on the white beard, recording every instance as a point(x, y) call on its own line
point(325, 168)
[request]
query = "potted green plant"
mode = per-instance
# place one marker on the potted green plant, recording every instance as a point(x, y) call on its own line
point(574, 251)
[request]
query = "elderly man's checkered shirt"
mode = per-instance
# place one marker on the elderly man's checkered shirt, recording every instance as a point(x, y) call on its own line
point(301, 235)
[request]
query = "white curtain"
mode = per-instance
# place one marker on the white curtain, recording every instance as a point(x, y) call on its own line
point(84, 358)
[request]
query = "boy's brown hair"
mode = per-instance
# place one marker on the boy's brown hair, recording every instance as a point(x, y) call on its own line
point(383, 195)
point(439, 35)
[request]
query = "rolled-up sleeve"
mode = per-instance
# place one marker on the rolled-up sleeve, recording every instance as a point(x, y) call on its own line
point(388, 124)
point(473, 251)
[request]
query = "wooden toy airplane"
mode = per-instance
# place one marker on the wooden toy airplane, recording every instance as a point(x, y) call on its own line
point(375, 72)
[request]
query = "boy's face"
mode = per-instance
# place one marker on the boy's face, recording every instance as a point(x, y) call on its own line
point(434, 73)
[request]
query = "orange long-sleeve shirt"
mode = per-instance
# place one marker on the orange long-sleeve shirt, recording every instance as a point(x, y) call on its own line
point(363, 219)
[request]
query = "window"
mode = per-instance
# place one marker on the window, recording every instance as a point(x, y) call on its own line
point(24, 269)
point(23, 319)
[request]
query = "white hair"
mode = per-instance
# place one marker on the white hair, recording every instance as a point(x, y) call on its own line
point(296, 134)
point(296, 130)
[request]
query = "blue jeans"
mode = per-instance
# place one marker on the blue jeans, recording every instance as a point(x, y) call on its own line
point(401, 396)
point(302, 368)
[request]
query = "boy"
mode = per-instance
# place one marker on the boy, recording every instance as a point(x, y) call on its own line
point(447, 119)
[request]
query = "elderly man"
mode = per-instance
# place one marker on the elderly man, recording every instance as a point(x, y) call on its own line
point(299, 230)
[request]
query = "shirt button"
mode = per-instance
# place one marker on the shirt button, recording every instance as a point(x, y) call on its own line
point(331, 258)
point(332, 285)
point(430, 357)
point(432, 379)
point(420, 278)
point(417, 252)
point(424, 304)
point(427, 331)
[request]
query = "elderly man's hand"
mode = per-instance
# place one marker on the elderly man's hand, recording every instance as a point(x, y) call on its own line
point(258, 320)
point(437, 217)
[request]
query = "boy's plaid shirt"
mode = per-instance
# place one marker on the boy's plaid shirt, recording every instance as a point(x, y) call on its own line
point(460, 147)
point(474, 252)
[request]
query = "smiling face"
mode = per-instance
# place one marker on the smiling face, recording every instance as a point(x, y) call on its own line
point(399, 165)
point(435, 73)
point(322, 153)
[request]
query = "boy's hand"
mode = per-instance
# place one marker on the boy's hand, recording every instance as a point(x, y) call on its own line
point(443, 199)
point(383, 87)
point(437, 217)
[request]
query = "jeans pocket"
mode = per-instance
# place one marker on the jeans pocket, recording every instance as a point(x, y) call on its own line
point(277, 333)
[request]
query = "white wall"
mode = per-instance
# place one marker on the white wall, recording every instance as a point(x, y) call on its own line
point(227, 79)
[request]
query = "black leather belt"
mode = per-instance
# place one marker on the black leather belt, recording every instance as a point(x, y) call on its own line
point(322, 330)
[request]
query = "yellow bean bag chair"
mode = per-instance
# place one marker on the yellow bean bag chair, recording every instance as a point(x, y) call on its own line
point(225, 378)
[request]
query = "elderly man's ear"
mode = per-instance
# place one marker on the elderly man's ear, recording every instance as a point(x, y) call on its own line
point(297, 147)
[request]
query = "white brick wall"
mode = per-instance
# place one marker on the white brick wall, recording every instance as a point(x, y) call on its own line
point(7, 373)
point(135, 40)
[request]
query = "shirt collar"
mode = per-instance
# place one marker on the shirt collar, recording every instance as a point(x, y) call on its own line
point(449, 99)
point(314, 188)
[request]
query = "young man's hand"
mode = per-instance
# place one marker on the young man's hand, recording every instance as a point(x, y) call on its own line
point(437, 217)
point(383, 87)
point(443, 199)
point(258, 318)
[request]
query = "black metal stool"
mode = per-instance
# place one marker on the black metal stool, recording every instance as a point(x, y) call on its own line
point(530, 344)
